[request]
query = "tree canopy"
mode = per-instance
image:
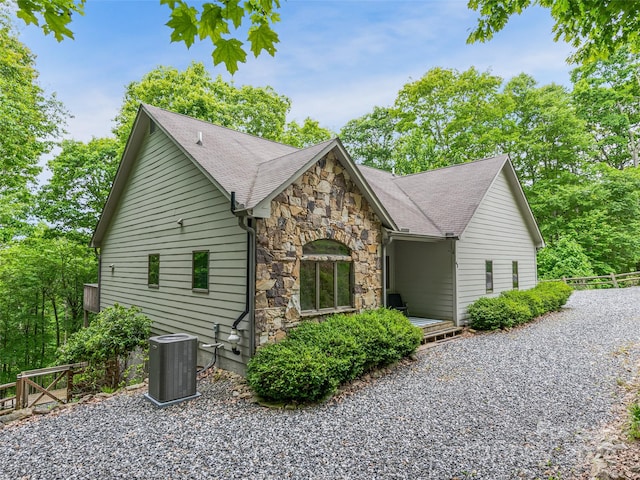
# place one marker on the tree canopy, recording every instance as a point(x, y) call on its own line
point(596, 28)
point(607, 96)
point(259, 111)
point(81, 177)
point(30, 121)
point(448, 117)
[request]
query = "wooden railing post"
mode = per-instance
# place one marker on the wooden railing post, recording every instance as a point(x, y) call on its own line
point(69, 384)
point(613, 280)
point(18, 392)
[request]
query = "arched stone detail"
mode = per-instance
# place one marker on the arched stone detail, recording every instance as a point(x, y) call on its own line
point(324, 203)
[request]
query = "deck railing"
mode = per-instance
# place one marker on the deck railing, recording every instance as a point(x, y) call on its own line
point(8, 396)
point(91, 297)
point(614, 280)
point(53, 384)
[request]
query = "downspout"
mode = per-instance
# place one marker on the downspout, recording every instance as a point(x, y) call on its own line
point(99, 255)
point(251, 284)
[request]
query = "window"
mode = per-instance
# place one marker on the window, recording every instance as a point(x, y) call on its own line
point(514, 274)
point(488, 267)
point(325, 276)
point(200, 271)
point(153, 273)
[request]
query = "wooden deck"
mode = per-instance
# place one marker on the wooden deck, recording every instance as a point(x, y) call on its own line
point(435, 330)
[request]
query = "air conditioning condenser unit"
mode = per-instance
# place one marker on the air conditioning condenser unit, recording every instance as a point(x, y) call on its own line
point(172, 369)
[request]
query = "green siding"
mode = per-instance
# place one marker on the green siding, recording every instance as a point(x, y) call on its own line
point(163, 187)
point(424, 277)
point(499, 233)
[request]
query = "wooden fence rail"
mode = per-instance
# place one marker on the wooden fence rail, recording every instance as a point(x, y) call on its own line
point(53, 384)
point(9, 400)
point(614, 280)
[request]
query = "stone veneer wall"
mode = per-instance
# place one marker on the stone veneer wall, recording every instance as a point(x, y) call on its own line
point(323, 203)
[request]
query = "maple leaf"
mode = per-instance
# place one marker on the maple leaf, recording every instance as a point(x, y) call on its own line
point(263, 38)
point(212, 22)
point(230, 52)
point(184, 24)
point(234, 12)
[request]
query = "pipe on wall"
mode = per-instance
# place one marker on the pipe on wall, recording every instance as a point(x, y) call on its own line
point(251, 276)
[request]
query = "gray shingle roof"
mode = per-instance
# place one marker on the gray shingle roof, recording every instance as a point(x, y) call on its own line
point(433, 204)
point(231, 158)
point(400, 206)
point(436, 202)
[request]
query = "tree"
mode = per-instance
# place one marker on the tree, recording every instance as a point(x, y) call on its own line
point(41, 293)
point(542, 132)
point(563, 258)
point(305, 135)
point(371, 138)
point(212, 20)
point(452, 116)
point(29, 122)
point(258, 111)
point(607, 95)
point(254, 110)
point(82, 174)
point(596, 28)
point(599, 209)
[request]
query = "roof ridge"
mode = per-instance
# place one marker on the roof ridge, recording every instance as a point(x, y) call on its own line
point(265, 163)
point(207, 122)
point(261, 163)
point(495, 157)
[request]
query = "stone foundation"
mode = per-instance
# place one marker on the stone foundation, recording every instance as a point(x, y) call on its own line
point(324, 203)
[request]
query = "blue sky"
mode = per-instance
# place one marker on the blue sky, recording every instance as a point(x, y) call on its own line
point(336, 60)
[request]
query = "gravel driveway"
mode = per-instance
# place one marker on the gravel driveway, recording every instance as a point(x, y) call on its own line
point(504, 405)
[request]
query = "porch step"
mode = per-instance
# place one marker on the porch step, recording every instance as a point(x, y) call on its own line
point(435, 330)
point(441, 334)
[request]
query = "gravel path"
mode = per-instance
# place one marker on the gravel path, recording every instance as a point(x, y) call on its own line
point(494, 406)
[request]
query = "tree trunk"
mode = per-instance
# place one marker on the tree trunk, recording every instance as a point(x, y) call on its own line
point(55, 314)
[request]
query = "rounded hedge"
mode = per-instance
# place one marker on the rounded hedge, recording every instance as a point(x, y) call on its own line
point(515, 307)
point(316, 358)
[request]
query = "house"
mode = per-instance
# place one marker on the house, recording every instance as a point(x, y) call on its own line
point(236, 239)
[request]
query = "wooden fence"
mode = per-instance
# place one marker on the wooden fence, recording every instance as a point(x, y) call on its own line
point(614, 280)
point(33, 387)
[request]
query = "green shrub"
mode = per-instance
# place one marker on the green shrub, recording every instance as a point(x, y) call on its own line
point(553, 294)
point(106, 344)
point(529, 297)
point(292, 370)
point(498, 312)
point(515, 307)
point(318, 357)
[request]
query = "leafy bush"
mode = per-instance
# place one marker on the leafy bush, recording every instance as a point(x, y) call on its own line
point(529, 297)
point(498, 312)
point(106, 344)
point(553, 294)
point(317, 357)
point(516, 307)
point(565, 258)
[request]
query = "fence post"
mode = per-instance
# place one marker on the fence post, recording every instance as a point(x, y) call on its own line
point(69, 384)
point(18, 392)
point(613, 280)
